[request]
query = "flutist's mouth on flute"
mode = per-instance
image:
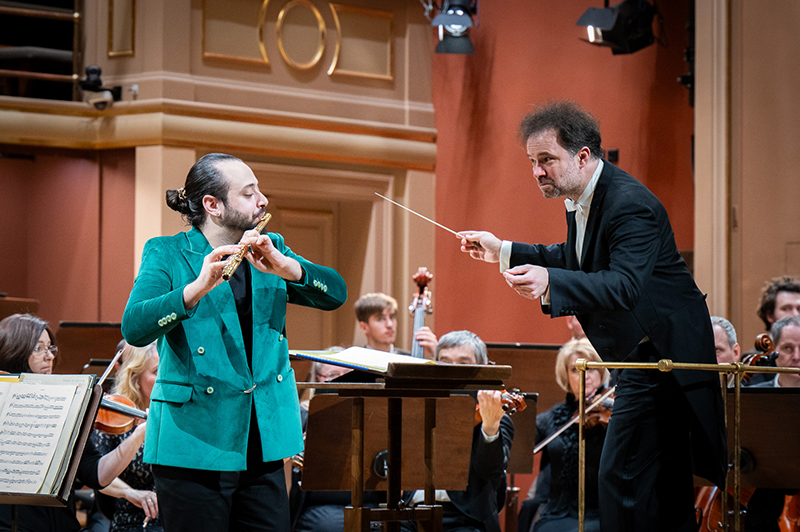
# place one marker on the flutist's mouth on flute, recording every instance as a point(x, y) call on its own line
point(236, 259)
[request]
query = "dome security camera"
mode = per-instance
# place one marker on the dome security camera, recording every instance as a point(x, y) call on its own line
point(101, 100)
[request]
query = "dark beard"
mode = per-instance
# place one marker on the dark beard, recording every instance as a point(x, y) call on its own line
point(238, 221)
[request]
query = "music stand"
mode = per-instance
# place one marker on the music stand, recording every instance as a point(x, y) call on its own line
point(769, 428)
point(431, 386)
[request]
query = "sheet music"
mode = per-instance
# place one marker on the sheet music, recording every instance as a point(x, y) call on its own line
point(360, 357)
point(59, 465)
point(31, 423)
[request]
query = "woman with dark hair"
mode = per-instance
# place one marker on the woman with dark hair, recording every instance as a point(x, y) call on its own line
point(27, 346)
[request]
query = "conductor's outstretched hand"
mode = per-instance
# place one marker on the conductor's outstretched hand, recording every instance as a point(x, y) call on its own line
point(481, 245)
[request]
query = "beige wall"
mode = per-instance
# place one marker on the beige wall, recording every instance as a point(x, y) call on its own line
point(753, 226)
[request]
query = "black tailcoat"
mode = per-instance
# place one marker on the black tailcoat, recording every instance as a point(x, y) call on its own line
point(633, 284)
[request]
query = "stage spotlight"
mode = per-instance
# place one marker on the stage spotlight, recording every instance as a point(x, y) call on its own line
point(454, 21)
point(626, 27)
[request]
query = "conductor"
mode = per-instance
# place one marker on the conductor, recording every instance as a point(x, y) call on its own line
point(619, 272)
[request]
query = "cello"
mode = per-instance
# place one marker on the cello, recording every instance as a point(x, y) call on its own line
point(420, 306)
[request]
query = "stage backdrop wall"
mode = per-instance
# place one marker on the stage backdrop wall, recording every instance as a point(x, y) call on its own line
point(527, 53)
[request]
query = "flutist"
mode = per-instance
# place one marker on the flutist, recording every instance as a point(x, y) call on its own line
point(224, 410)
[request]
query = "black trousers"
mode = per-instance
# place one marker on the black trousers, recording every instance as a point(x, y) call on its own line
point(194, 500)
point(645, 476)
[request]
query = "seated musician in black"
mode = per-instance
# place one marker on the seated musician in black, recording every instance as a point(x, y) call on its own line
point(552, 504)
point(766, 505)
point(476, 508)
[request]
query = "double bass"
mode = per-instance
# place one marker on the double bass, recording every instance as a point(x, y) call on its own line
point(420, 306)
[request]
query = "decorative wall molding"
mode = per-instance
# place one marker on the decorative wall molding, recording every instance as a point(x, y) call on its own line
point(190, 124)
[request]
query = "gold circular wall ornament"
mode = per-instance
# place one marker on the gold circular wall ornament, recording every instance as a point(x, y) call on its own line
point(262, 19)
point(320, 27)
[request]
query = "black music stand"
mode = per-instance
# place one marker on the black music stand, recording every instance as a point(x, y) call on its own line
point(422, 390)
point(769, 429)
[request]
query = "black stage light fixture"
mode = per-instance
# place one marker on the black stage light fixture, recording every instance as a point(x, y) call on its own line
point(626, 27)
point(454, 21)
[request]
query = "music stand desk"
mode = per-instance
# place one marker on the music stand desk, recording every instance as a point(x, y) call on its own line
point(401, 382)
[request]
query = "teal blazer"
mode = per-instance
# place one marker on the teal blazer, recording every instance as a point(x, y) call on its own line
point(200, 406)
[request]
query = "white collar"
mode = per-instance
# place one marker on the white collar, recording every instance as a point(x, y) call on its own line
point(585, 200)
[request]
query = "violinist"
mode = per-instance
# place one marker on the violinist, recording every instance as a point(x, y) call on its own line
point(475, 509)
point(135, 500)
point(377, 319)
point(28, 346)
point(557, 502)
point(224, 409)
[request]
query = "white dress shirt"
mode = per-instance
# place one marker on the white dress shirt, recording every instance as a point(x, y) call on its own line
point(581, 207)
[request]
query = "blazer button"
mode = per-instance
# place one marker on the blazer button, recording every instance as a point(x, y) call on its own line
point(209, 390)
point(161, 322)
point(173, 316)
point(201, 350)
point(281, 337)
point(280, 378)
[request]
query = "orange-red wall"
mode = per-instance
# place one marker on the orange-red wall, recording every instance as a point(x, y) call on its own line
point(67, 216)
point(527, 53)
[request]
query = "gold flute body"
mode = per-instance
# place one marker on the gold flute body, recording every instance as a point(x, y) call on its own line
point(236, 259)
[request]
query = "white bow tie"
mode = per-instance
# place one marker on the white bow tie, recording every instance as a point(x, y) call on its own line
point(574, 206)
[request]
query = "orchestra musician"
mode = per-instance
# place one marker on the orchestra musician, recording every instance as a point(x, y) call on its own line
point(554, 500)
point(224, 410)
point(475, 509)
point(134, 503)
point(621, 275)
point(377, 318)
point(766, 504)
point(27, 345)
point(780, 298)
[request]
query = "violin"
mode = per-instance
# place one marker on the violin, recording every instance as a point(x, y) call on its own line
point(420, 306)
point(512, 402)
point(598, 412)
point(116, 414)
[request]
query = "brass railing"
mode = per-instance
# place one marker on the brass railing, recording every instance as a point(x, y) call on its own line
point(737, 369)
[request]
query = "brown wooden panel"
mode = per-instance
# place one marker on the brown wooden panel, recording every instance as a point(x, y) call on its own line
point(80, 341)
point(327, 454)
point(17, 305)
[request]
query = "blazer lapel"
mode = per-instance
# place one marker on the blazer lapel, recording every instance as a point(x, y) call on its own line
point(221, 297)
point(594, 215)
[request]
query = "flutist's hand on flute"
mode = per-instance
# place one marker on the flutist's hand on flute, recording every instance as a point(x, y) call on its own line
point(263, 255)
point(210, 275)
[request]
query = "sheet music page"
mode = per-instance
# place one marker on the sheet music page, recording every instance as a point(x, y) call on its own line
point(63, 452)
point(31, 423)
point(360, 357)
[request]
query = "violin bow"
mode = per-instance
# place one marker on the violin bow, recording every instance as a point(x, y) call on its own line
point(542, 444)
point(108, 369)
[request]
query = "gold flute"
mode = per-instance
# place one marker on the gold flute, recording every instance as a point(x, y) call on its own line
point(236, 259)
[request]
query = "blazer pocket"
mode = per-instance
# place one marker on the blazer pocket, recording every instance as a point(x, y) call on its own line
point(171, 392)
